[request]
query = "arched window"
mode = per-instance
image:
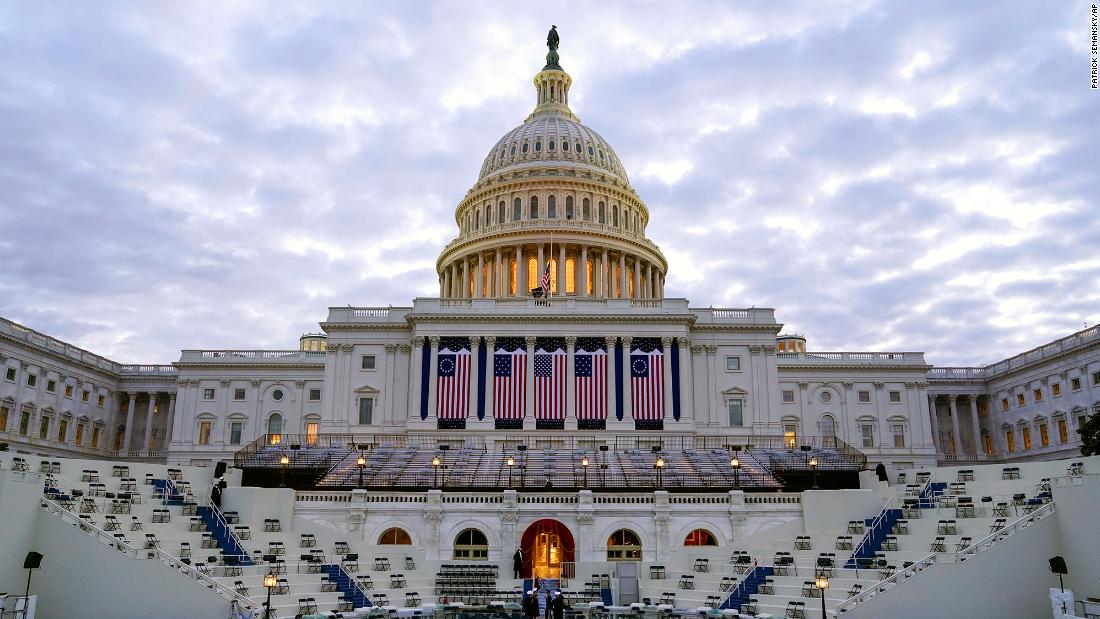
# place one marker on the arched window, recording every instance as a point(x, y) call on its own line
point(471, 544)
point(534, 207)
point(551, 145)
point(570, 276)
point(513, 150)
point(569, 207)
point(586, 210)
point(488, 215)
point(395, 536)
point(500, 212)
point(615, 215)
point(624, 545)
point(532, 273)
point(524, 149)
point(602, 214)
point(538, 146)
point(512, 277)
point(552, 207)
point(477, 220)
point(590, 150)
point(700, 537)
point(275, 429)
point(577, 147)
point(517, 208)
point(827, 426)
point(588, 276)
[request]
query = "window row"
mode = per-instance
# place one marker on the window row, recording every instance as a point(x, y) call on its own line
point(209, 394)
point(484, 217)
point(611, 278)
point(1023, 430)
point(69, 391)
point(61, 432)
point(862, 396)
point(868, 431)
point(507, 154)
point(1055, 391)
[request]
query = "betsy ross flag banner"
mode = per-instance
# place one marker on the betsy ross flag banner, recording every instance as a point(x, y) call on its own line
point(549, 393)
point(509, 378)
point(453, 381)
point(647, 380)
point(590, 372)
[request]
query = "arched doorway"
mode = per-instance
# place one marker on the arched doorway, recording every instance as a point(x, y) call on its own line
point(546, 544)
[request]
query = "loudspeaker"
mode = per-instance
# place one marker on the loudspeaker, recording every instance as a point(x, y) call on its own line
point(1058, 565)
point(537, 292)
point(219, 469)
point(34, 560)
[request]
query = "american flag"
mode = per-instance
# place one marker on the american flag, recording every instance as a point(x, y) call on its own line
point(647, 381)
point(550, 384)
point(546, 279)
point(590, 370)
point(453, 384)
point(509, 382)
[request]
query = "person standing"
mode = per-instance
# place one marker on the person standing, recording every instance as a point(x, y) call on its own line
point(517, 563)
point(559, 606)
point(549, 606)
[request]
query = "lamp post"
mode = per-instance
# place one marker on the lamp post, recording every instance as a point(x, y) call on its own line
point(660, 466)
point(813, 472)
point(822, 583)
point(270, 582)
point(436, 462)
point(361, 462)
point(284, 460)
point(584, 467)
point(735, 463)
point(511, 462)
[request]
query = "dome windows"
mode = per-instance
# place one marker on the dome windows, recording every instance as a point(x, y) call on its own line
point(569, 207)
point(591, 153)
point(524, 148)
point(602, 214)
point(534, 208)
point(551, 208)
point(517, 208)
point(577, 147)
point(551, 146)
point(615, 215)
point(538, 146)
point(500, 213)
point(586, 209)
point(514, 150)
point(601, 155)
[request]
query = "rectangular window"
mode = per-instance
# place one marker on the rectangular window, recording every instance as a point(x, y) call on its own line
point(238, 394)
point(205, 427)
point(788, 396)
point(10, 374)
point(100, 401)
point(311, 433)
point(366, 362)
point(44, 428)
point(85, 395)
point(62, 430)
point(1004, 404)
point(1063, 432)
point(314, 395)
point(208, 394)
point(895, 397)
point(32, 380)
point(1075, 384)
point(1096, 378)
point(790, 436)
point(1010, 439)
point(235, 430)
point(1019, 399)
point(733, 364)
point(51, 386)
point(366, 410)
point(4, 410)
point(25, 423)
point(1027, 438)
point(867, 432)
point(79, 433)
point(899, 434)
point(1056, 389)
point(68, 391)
point(864, 397)
point(987, 443)
point(1037, 394)
point(736, 411)
point(1044, 435)
point(95, 438)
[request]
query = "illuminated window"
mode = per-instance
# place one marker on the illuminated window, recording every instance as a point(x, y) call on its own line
point(471, 544)
point(790, 436)
point(552, 207)
point(95, 438)
point(898, 431)
point(311, 433)
point(79, 433)
point(1056, 389)
point(533, 273)
point(68, 391)
point(4, 410)
point(630, 284)
point(275, 429)
point(1037, 394)
point(100, 401)
point(987, 443)
point(1063, 431)
point(395, 537)
point(1027, 437)
point(1010, 439)
point(1044, 435)
point(588, 276)
point(554, 275)
point(624, 545)
point(1019, 399)
point(570, 275)
point(62, 431)
point(700, 537)
point(1004, 404)
point(205, 429)
point(512, 277)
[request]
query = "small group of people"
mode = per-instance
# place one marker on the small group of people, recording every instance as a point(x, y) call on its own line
point(555, 604)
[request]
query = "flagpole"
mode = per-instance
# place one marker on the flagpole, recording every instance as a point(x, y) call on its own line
point(550, 284)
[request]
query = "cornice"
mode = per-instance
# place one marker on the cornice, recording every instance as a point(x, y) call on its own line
point(59, 357)
point(850, 367)
point(319, 365)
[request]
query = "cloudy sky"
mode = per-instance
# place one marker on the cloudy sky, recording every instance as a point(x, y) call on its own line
point(888, 176)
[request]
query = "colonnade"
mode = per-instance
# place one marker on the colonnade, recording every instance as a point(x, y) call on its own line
point(954, 447)
point(581, 271)
point(150, 410)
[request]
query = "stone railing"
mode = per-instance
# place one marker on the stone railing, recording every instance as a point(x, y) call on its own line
point(869, 358)
point(147, 370)
point(988, 372)
point(273, 357)
point(17, 331)
point(956, 373)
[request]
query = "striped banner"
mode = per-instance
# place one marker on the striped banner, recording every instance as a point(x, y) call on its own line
point(647, 380)
point(453, 383)
point(550, 384)
point(509, 381)
point(590, 374)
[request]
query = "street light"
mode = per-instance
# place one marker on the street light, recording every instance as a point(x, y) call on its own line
point(660, 466)
point(361, 462)
point(584, 466)
point(813, 471)
point(285, 461)
point(436, 462)
point(736, 464)
point(822, 583)
point(270, 582)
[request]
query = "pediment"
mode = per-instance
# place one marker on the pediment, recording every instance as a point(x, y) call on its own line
point(735, 391)
point(368, 389)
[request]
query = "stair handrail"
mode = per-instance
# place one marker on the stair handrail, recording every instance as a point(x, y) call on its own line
point(890, 504)
point(946, 557)
point(927, 487)
point(133, 552)
point(740, 585)
point(230, 533)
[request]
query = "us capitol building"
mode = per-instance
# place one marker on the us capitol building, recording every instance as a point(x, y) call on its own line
point(551, 328)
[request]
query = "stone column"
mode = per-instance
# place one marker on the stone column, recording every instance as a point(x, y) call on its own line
point(521, 273)
point(934, 418)
point(562, 287)
point(490, 348)
point(649, 281)
point(666, 357)
point(977, 426)
point(465, 286)
point(624, 291)
point(687, 385)
point(540, 266)
point(131, 399)
point(637, 280)
point(570, 383)
point(149, 421)
point(712, 384)
point(529, 398)
point(171, 418)
point(474, 387)
point(605, 290)
point(955, 424)
point(628, 413)
point(416, 361)
point(433, 378)
point(610, 343)
point(582, 273)
point(479, 277)
point(499, 289)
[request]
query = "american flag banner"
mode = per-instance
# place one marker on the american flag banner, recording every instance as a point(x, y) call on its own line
point(453, 383)
point(549, 392)
point(590, 373)
point(509, 379)
point(647, 380)
point(546, 278)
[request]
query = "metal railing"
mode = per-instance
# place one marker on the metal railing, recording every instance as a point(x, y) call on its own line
point(891, 503)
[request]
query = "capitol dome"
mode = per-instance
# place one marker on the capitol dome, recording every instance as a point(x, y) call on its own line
point(552, 137)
